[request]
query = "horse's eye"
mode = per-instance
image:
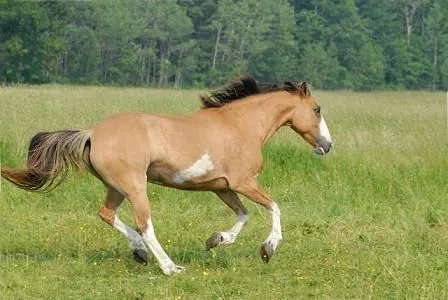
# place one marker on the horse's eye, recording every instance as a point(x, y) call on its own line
point(317, 110)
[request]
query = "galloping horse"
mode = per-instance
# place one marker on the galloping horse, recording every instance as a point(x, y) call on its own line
point(217, 148)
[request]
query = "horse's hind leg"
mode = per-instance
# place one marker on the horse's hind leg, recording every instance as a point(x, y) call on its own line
point(228, 237)
point(135, 190)
point(109, 213)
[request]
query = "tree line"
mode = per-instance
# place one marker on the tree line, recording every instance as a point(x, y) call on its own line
point(334, 44)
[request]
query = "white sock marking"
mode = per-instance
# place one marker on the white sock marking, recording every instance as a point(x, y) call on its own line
point(276, 233)
point(166, 264)
point(324, 132)
point(242, 220)
point(198, 168)
point(135, 240)
point(229, 237)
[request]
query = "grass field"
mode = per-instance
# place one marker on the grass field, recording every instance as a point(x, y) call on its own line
point(370, 220)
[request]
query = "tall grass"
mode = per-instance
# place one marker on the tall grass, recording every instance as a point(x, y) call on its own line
point(370, 220)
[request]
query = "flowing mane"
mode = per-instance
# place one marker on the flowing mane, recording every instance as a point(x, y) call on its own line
point(241, 88)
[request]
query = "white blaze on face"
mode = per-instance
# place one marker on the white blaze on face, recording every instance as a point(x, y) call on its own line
point(198, 168)
point(324, 132)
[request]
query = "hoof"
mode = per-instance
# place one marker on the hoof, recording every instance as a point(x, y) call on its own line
point(173, 270)
point(140, 256)
point(213, 241)
point(266, 252)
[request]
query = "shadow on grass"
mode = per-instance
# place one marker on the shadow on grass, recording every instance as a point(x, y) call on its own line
point(105, 255)
point(36, 256)
point(213, 259)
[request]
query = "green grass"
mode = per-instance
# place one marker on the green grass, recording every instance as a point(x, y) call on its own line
point(370, 220)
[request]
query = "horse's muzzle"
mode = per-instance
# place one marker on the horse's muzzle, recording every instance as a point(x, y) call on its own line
point(323, 146)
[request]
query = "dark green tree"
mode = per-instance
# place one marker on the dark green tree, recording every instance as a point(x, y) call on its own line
point(29, 47)
point(343, 44)
point(82, 54)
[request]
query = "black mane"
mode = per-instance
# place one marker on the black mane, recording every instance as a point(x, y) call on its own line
point(243, 87)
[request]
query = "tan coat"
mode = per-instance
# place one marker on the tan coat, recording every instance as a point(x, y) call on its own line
point(217, 149)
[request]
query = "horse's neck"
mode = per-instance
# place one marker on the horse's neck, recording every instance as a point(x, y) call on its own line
point(262, 116)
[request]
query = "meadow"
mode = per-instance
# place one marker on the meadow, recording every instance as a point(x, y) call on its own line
point(367, 221)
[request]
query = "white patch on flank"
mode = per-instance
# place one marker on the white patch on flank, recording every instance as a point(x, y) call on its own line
point(324, 130)
point(276, 234)
point(198, 168)
point(135, 240)
point(166, 264)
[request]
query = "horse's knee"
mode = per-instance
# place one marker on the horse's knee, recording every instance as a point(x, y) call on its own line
point(107, 215)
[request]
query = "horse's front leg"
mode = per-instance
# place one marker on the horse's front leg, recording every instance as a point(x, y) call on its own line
point(252, 190)
point(228, 237)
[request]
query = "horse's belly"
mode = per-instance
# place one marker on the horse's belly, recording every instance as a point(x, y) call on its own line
point(176, 179)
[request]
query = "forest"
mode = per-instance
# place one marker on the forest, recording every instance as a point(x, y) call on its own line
point(340, 44)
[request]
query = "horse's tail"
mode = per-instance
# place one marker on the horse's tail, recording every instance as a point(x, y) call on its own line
point(50, 155)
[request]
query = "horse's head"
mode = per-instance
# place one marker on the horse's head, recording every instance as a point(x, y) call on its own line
point(308, 121)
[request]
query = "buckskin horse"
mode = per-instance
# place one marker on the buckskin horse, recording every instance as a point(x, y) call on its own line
point(217, 148)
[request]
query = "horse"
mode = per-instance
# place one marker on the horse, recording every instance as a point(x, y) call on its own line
point(217, 149)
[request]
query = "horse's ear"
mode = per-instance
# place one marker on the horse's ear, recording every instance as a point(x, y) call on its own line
point(290, 86)
point(304, 91)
